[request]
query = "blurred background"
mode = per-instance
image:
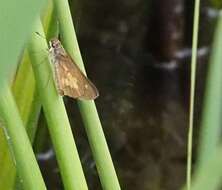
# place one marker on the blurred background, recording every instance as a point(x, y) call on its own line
point(138, 55)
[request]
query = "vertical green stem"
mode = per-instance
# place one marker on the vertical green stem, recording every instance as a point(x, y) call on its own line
point(192, 92)
point(56, 116)
point(99, 146)
point(88, 110)
point(19, 142)
point(210, 134)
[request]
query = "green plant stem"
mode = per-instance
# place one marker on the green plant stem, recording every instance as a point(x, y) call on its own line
point(88, 110)
point(19, 142)
point(55, 113)
point(10, 48)
point(210, 133)
point(7, 174)
point(192, 92)
point(23, 91)
point(99, 146)
point(208, 175)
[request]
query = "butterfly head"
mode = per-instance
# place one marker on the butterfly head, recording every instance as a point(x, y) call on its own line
point(56, 48)
point(54, 43)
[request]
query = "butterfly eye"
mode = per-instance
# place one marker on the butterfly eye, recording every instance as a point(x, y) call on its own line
point(55, 43)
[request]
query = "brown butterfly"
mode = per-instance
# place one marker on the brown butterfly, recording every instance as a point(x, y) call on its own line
point(70, 80)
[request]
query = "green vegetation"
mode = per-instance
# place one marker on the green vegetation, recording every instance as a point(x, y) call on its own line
point(24, 73)
point(29, 101)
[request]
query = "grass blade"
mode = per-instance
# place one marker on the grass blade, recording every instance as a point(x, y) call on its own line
point(24, 93)
point(209, 175)
point(10, 48)
point(55, 113)
point(19, 142)
point(192, 92)
point(88, 110)
point(210, 133)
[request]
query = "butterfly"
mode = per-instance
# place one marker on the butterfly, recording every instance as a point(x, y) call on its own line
point(70, 80)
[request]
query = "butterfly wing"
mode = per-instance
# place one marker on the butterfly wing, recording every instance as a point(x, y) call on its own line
point(71, 81)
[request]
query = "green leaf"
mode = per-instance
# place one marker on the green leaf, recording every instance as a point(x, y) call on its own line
point(16, 22)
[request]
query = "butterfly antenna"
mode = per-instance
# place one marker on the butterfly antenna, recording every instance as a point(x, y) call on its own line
point(40, 35)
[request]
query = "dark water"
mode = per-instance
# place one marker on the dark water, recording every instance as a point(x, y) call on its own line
point(138, 55)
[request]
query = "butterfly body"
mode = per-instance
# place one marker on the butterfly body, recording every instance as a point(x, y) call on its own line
point(70, 80)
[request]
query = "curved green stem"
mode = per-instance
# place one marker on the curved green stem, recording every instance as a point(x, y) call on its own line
point(88, 110)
